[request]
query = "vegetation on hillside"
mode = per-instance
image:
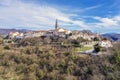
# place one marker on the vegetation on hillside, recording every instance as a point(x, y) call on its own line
point(33, 60)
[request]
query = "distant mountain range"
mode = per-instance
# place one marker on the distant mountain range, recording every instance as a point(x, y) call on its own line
point(112, 36)
point(5, 32)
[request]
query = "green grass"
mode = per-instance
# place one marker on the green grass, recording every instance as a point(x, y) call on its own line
point(85, 48)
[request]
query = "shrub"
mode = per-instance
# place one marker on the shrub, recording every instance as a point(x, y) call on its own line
point(1, 41)
point(96, 39)
point(69, 70)
point(28, 51)
point(90, 71)
point(7, 47)
point(67, 54)
point(5, 63)
point(73, 58)
point(75, 43)
point(40, 74)
point(117, 57)
point(103, 49)
point(9, 41)
point(37, 51)
point(97, 48)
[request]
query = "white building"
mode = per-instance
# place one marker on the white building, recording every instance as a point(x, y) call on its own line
point(106, 43)
point(62, 30)
point(20, 36)
point(35, 33)
point(13, 34)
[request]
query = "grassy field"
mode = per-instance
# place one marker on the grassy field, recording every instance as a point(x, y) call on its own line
point(85, 48)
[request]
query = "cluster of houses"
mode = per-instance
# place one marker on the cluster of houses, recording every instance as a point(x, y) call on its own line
point(48, 33)
point(86, 36)
point(60, 32)
point(106, 43)
point(15, 35)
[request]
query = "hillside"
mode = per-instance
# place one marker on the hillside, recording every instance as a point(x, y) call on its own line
point(37, 61)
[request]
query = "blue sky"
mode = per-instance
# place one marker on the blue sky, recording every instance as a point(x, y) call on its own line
point(100, 16)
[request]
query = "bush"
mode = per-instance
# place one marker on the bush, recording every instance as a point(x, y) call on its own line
point(96, 39)
point(67, 54)
point(103, 49)
point(117, 57)
point(40, 74)
point(97, 48)
point(1, 41)
point(28, 51)
point(7, 47)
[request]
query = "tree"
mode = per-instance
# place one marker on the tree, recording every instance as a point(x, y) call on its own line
point(97, 48)
point(96, 39)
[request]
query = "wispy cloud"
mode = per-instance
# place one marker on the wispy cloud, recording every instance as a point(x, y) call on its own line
point(30, 15)
point(108, 22)
point(18, 14)
point(93, 7)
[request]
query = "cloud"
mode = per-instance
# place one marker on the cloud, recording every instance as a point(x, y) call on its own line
point(117, 18)
point(108, 22)
point(93, 7)
point(18, 14)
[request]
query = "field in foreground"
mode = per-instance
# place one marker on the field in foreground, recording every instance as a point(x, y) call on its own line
point(44, 63)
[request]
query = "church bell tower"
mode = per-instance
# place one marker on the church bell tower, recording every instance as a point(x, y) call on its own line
point(56, 25)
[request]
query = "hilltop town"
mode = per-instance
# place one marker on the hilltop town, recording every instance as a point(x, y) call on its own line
point(59, 39)
point(82, 39)
point(58, 54)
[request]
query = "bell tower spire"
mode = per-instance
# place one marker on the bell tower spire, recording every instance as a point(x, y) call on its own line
point(56, 25)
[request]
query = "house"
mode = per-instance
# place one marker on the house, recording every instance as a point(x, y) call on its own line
point(17, 35)
point(106, 43)
point(13, 34)
point(62, 30)
point(20, 36)
point(35, 33)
